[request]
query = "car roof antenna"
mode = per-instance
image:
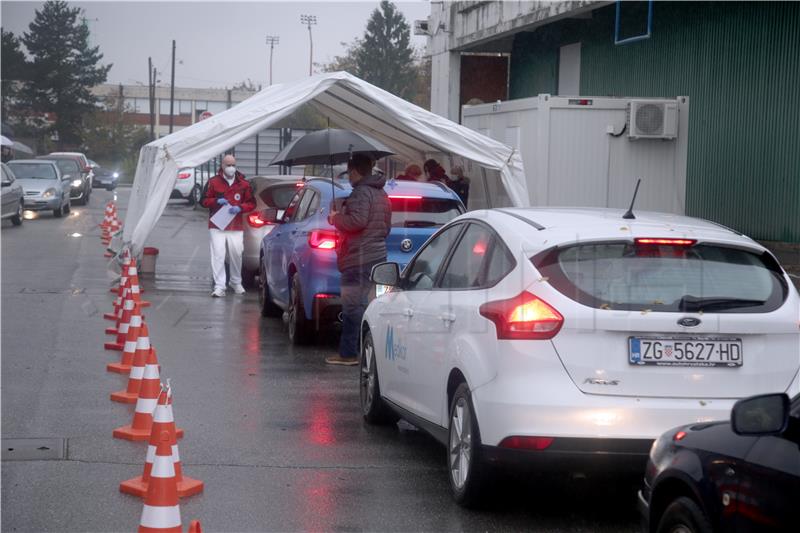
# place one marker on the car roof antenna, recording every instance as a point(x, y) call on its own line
point(629, 214)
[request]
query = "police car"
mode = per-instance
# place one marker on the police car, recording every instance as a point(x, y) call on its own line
point(561, 337)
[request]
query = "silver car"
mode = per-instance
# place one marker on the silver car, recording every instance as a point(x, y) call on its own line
point(12, 197)
point(46, 188)
point(270, 193)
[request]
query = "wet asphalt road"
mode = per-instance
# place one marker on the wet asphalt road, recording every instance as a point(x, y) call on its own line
point(273, 432)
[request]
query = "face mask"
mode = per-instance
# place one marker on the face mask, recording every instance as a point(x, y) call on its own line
point(230, 171)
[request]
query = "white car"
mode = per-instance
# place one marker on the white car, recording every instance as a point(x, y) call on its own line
point(551, 335)
point(189, 185)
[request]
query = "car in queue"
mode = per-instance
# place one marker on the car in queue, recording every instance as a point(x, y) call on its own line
point(46, 188)
point(572, 338)
point(298, 276)
point(272, 195)
point(104, 177)
point(13, 197)
point(740, 474)
point(189, 185)
point(80, 176)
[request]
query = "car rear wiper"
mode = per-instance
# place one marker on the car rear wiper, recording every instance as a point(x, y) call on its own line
point(692, 303)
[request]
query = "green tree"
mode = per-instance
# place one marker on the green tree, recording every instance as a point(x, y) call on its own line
point(63, 69)
point(346, 62)
point(385, 57)
point(13, 72)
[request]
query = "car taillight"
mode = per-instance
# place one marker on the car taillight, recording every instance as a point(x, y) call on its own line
point(184, 175)
point(405, 197)
point(322, 239)
point(525, 317)
point(256, 221)
point(527, 443)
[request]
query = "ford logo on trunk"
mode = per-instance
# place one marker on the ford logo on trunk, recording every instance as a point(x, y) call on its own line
point(689, 322)
point(406, 245)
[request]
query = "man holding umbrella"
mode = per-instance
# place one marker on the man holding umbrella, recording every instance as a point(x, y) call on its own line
point(363, 224)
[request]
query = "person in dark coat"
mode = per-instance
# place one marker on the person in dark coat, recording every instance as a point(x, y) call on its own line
point(435, 172)
point(228, 190)
point(363, 224)
point(459, 183)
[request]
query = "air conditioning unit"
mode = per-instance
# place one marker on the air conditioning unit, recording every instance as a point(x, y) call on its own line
point(653, 119)
point(421, 27)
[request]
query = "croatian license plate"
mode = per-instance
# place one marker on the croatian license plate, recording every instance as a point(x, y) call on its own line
point(685, 351)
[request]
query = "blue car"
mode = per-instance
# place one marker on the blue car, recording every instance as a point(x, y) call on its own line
point(298, 277)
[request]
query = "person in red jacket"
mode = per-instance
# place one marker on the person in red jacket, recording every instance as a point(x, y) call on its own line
point(228, 190)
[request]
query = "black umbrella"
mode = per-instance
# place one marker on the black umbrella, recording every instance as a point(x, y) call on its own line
point(329, 146)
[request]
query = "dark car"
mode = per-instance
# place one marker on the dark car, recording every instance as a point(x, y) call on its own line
point(739, 475)
point(81, 177)
point(104, 177)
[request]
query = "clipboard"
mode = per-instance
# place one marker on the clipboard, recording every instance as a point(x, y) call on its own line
point(222, 218)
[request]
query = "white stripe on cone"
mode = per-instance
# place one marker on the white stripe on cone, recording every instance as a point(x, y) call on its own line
point(143, 343)
point(176, 457)
point(160, 517)
point(151, 372)
point(130, 346)
point(137, 372)
point(136, 321)
point(146, 405)
point(163, 467)
point(151, 454)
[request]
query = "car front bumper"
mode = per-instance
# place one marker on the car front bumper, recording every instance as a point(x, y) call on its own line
point(39, 204)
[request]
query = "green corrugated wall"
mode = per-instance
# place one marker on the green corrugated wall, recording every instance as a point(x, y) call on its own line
point(740, 65)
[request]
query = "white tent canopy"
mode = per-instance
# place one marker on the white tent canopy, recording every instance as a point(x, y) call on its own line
point(409, 130)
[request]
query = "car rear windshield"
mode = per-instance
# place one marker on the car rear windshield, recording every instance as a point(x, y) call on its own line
point(418, 212)
point(665, 278)
point(33, 171)
point(278, 196)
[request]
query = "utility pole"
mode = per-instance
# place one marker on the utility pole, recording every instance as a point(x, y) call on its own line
point(309, 20)
point(272, 40)
point(151, 81)
point(172, 90)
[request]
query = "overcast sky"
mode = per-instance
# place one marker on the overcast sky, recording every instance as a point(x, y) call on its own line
point(219, 43)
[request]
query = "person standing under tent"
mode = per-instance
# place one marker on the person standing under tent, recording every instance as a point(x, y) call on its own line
point(363, 225)
point(228, 190)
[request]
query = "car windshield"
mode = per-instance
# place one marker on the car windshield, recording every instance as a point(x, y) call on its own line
point(67, 166)
point(419, 212)
point(670, 278)
point(33, 171)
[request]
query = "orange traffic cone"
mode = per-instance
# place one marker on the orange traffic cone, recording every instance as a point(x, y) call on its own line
point(122, 330)
point(138, 340)
point(133, 276)
point(142, 423)
point(162, 512)
point(126, 263)
point(195, 527)
point(117, 314)
point(162, 421)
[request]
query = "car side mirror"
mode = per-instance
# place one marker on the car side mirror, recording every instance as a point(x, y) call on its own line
point(766, 414)
point(5, 183)
point(385, 274)
point(270, 215)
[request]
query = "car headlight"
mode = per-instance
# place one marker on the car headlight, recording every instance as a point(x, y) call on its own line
point(116, 174)
point(76, 183)
point(49, 193)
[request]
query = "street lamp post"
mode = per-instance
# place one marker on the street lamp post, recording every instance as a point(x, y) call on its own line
point(309, 20)
point(272, 40)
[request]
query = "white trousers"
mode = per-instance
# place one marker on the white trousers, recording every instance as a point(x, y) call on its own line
point(235, 243)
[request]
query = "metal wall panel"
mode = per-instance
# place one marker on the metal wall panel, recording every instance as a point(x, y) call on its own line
point(739, 62)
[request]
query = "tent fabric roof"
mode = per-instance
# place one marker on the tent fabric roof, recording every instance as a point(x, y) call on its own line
point(409, 130)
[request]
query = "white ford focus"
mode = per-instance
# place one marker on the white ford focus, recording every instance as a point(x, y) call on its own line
point(555, 334)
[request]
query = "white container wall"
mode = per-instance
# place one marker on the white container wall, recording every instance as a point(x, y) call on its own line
point(578, 151)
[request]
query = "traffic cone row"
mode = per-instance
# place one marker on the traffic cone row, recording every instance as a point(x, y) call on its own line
point(162, 482)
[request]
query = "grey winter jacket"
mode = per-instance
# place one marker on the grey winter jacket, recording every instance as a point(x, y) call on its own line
point(363, 224)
